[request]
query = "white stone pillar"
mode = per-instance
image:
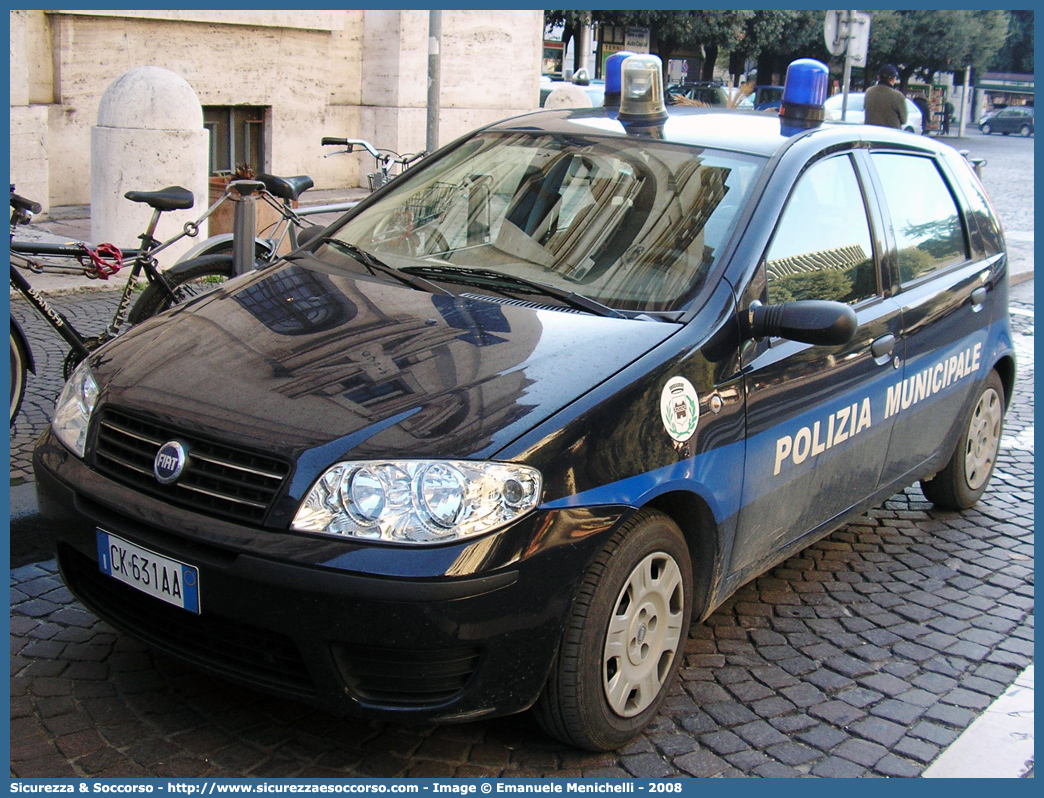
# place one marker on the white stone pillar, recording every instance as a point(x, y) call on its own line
point(149, 135)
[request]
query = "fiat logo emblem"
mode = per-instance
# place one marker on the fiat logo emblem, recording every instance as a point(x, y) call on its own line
point(169, 463)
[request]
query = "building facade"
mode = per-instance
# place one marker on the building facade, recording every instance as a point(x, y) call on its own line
point(271, 83)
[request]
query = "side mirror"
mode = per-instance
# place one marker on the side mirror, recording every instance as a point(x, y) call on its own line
point(810, 321)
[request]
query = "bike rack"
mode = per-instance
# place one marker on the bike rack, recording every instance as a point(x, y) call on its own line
point(242, 193)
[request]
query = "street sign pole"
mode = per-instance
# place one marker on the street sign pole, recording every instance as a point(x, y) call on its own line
point(964, 100)
point(847, 32)
point(847, 77)
point(434, 79)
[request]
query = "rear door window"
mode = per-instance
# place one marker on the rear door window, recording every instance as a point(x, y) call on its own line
point(928, 232)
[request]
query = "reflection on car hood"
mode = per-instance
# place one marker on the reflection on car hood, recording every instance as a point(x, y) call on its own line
point(297, 359)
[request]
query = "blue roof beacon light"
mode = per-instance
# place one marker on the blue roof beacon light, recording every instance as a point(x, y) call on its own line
point(613, 78)
point(641, 90)
point(804, 93)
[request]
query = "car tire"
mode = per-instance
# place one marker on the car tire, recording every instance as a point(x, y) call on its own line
point(1025, 131)
point(624, 639)
point(963, 480)
point(986, 129)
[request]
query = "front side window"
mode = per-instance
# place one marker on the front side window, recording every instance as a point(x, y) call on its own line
point(822, 247)
point(633, 224)
point(928, 231)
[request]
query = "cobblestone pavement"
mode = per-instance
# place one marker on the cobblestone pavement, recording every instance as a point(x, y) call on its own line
point(865, 655)
point(89, 313)
point(1008, 177)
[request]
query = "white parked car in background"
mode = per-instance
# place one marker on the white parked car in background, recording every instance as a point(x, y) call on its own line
point(854, 114)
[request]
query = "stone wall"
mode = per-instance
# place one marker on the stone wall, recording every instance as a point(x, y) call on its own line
point(360, 74)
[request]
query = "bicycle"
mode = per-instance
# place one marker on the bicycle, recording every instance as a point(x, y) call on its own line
point(102, 262)
point(283, 193)
point(387, 160)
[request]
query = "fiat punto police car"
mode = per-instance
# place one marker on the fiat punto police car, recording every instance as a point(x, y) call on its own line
point(496, 438)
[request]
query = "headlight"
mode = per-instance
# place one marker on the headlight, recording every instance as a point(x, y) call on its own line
point(421, 501)
point(72, 411)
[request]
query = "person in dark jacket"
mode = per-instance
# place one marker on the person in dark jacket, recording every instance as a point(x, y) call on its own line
point(926, 110)
point(884, 104)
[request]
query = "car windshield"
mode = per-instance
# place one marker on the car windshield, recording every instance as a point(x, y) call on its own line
point(634, 224)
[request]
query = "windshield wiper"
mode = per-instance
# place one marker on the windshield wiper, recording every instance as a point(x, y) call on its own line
point(374, 265)
point(493, 279)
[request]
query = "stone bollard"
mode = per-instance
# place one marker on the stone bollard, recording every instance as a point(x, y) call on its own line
point(567, 97)
point(149, 135)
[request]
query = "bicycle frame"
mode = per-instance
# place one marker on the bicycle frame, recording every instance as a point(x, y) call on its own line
point(291, 221)
point(23, 254)
point(54, 317)
point(143, 262)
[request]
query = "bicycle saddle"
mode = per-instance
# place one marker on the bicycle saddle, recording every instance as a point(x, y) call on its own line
point(286, 188)
point(171, 198)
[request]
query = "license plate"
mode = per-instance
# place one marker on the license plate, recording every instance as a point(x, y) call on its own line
point(166, 579)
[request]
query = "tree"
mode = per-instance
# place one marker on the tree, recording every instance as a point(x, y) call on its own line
point(1017, 53)
point(921, 43)
point(572, 23)
point(672, 31)
point(798, 34)
point(668, 30)
point(762, 30)
point(714, 30)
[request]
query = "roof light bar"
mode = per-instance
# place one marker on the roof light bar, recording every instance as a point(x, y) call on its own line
point(641, 94)
point(804, 93)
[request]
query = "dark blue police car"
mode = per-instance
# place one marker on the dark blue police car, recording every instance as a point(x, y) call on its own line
point(497, 437)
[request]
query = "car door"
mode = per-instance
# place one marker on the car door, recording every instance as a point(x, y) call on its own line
point(945, 290)
point(816, 439)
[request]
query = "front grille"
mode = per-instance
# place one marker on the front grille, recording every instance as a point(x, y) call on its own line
point(236, 649)
point(217, 479)
point(405, 678)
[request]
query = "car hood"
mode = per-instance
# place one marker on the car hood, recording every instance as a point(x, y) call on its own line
point(302, 362)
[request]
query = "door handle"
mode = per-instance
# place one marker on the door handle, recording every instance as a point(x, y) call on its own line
point(978, 298)
point(883, 346)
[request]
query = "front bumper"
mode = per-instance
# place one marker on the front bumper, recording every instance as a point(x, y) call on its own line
point(429, 633)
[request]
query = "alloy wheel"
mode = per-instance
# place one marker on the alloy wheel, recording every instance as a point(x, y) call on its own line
point(983, 439)
point(643, 636)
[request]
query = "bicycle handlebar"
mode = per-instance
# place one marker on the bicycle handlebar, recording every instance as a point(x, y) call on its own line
point(20, 203)
point(406, 160)
point(382, 156)
point(350, 144)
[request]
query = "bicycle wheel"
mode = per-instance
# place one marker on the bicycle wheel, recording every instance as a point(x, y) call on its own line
point(222, 245)
point(18, 372)
point(190, 279)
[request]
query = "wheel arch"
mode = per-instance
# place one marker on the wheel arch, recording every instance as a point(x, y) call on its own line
point(696, 520)
point(1005, 367)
